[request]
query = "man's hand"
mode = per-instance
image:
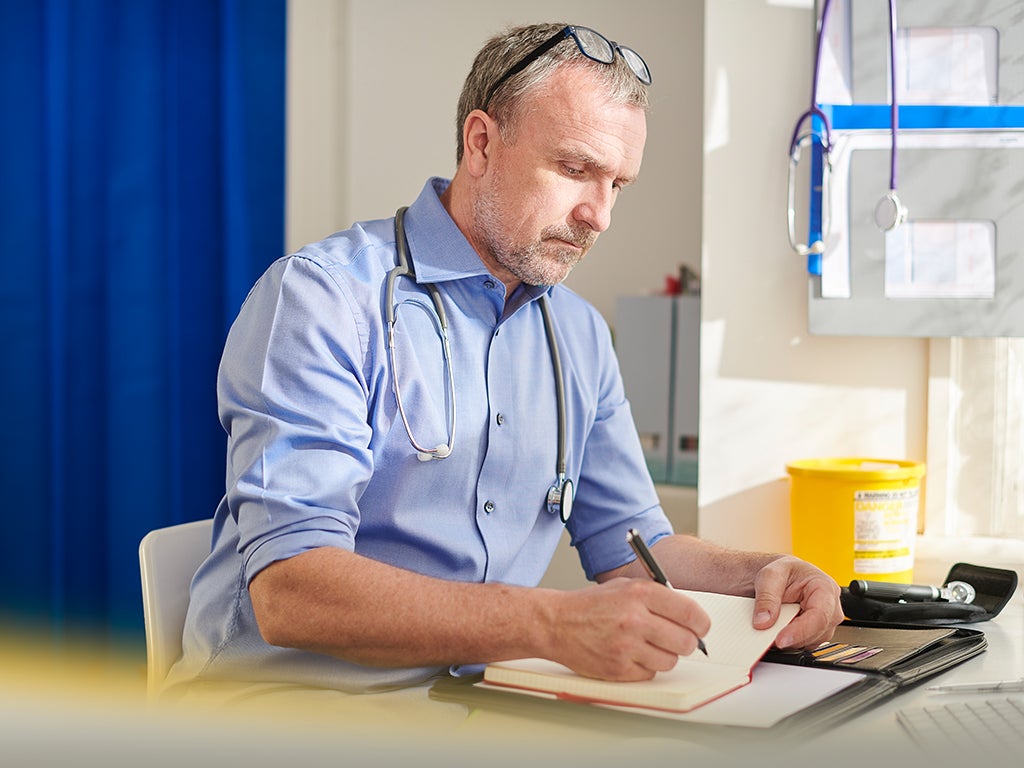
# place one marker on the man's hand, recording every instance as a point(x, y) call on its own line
point(627, 629)
point(791, 580)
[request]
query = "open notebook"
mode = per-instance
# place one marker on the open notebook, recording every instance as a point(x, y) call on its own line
point(734, 647)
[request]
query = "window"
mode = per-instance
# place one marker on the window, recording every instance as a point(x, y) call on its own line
point(975, 485)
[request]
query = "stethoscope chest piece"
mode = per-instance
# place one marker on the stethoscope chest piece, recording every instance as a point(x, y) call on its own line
point(890, 212)
point(560, 498)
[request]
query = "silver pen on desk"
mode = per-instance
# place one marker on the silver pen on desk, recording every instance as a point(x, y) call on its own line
point(643, 553)
point(986, 687)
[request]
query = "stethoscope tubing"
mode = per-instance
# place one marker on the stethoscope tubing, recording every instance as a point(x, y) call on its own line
point(556, 365)
point(404, 269)
point(890, 212)
point(560, 496)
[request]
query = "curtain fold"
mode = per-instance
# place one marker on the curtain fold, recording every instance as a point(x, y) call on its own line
point(142, 192)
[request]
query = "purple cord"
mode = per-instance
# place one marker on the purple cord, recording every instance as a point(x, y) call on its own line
point(814, 111)
point(893, 109)
point(817, 58)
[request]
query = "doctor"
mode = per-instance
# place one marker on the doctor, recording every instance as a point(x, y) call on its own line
point(345, 558)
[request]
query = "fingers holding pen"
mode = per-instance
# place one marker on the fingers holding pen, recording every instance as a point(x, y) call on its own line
point(660, 625)
point(653, 568)
point(686, 622)
point(630, 629)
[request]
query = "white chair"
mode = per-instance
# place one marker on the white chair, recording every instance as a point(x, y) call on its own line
point(168, 559)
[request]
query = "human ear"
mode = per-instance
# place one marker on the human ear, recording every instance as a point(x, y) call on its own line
point(478, 132)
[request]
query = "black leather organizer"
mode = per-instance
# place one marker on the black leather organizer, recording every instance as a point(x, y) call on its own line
point(993, 587)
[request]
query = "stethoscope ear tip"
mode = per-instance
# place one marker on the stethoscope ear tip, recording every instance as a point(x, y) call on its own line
point(440, 452)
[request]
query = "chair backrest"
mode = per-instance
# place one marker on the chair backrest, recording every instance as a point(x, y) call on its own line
point(168, 559)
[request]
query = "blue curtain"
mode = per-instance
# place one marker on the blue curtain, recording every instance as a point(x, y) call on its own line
point(142, 193)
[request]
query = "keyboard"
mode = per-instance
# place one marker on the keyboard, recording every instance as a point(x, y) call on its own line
point(993, 725)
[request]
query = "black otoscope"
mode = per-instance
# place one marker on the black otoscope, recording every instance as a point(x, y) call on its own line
point(953, 592)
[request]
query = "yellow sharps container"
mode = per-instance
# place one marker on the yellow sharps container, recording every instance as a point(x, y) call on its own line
point(856, 518)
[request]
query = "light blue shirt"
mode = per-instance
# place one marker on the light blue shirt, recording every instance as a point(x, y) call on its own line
point(318, 455)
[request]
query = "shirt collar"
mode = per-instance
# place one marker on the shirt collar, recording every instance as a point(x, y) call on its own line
point(437, 248)
point(439, 251)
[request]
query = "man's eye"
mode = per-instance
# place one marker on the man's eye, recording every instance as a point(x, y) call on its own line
point(572, 170)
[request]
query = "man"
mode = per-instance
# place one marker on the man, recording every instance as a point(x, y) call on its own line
point(349, 551)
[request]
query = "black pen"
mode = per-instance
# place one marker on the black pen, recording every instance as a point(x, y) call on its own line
point(636, 541)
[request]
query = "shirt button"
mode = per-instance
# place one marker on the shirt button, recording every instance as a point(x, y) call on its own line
point(500, 419)
point(488, 506)
point(489, 285)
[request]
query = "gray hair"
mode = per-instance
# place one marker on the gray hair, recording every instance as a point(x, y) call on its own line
point(502, 52)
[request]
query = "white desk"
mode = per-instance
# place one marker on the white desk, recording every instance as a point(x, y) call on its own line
point(44, 723)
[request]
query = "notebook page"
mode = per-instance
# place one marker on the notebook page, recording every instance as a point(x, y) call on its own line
point(678, 689)
point(732, 639)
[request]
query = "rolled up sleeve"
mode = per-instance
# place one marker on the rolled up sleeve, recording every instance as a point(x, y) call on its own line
point(293, 395)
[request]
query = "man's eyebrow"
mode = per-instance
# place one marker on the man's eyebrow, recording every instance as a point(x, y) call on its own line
point(585, 158)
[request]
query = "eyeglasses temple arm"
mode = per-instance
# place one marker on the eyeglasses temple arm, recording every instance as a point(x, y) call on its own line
point(524, 62)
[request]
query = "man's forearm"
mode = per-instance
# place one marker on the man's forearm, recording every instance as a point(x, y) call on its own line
point(699, 565)
point(334, 601)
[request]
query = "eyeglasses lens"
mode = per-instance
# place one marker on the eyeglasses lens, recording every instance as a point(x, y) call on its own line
point(599, 48)
point(594, 45)
point(637, 64)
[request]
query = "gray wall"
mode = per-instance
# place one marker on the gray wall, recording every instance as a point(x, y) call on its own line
point(372, 92)
point(372, 97)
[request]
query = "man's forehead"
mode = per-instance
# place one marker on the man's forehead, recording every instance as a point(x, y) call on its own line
point(578, 93)
point(578, 118)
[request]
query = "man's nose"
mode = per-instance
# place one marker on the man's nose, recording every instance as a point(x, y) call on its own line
point(595, 209)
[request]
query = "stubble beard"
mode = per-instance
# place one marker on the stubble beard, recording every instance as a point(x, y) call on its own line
point(541, 262)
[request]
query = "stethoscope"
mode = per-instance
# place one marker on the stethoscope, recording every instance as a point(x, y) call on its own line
point(560, 495)
point(890, 211)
